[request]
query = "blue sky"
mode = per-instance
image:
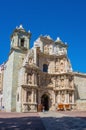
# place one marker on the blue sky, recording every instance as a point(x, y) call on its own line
point(58, 18)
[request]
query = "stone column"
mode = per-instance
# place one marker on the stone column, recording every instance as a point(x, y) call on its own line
point(67, 97)
point(39, 98)
point(59, 97)
point(33, 78)
point(32, 96)
point(54, 67)
point(25, 78)
point(73, 97)
point(35, 95)
point(24, 95)
point(35, 55)
point(53, 97)
point(67, 82)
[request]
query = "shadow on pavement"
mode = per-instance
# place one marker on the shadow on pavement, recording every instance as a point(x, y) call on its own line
point(22, 123)
point(50, 123)
point(65, 123)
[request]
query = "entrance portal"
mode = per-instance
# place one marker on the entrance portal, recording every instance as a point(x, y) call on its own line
point(45, 102)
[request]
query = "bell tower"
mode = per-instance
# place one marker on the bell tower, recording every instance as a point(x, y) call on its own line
point(20, 40)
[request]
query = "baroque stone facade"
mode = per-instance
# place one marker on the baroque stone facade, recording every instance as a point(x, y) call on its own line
point(38, 76)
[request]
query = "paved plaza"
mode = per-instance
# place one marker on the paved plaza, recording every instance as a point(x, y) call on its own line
point(20, 121)
point(61, 120)
point(64, 120)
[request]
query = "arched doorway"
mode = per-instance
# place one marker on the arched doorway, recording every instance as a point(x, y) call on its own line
point(45, 102)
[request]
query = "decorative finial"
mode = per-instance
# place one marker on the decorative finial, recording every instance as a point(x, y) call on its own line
point(29, 31)
point(58, 39)
point(21, 27)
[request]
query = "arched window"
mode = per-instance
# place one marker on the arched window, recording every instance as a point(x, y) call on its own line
point(22, 42)
point(45, 68)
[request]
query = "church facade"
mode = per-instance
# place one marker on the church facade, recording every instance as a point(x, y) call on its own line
point(41, 75)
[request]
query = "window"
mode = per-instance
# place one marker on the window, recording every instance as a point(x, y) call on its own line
point(45, 68)
point(22, 42)
point(18, 97)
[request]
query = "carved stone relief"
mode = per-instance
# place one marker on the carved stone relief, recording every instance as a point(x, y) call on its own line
point(62, 83)
point(50, 82)
point(56, 82)
point(30, 61)
point(57, 67)
point(46, 49)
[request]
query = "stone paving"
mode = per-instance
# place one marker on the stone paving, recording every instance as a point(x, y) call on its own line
point(20, 121)
point(61, 120)
point(64, 120)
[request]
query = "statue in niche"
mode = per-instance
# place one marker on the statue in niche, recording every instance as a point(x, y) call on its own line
point(59, 82)
point(29, 79)
point(63, 97)
point(50, 82)
point(30, 61)
point(62, 65)
point(28, 96)
point(56, 82)
point(70, 97)
point(62, 82)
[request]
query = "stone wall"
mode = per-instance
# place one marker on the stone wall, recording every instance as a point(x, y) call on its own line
point(80, 91)
point(80, 85)
point(81, 105)
point(10, 82)
point(7, 83)
point(18, 59)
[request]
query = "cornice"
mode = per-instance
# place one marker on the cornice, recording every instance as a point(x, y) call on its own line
point(79, 74)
